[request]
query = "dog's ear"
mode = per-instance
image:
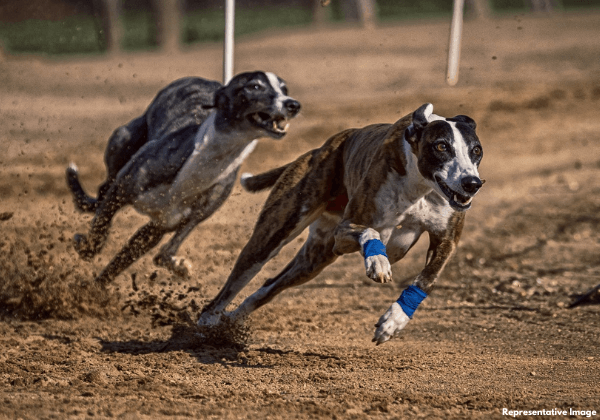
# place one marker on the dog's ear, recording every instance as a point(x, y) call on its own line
point(420, 118)
point(222, 99)
point(465, 120)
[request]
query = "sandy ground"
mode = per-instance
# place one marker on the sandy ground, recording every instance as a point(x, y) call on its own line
point(496, 333)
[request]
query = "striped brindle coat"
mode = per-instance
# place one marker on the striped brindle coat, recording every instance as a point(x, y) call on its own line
point(382, 185)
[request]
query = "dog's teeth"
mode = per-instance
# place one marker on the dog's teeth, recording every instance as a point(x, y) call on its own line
point(282, 125)
point(463, 200)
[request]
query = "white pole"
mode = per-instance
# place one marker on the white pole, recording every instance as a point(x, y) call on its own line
point(454, 45)
point(228, 44)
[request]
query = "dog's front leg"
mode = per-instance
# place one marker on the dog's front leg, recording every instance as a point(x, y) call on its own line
point(146, 238)
point(350, 237)
point(166, 257)
point(206, 205)
point(441, 248)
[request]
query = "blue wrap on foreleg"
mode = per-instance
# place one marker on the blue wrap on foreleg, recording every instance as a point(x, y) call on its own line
point(374, 247)
point(410, 299)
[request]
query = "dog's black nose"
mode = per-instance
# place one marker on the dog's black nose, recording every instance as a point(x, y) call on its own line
point(471, 184)
point(292, 106)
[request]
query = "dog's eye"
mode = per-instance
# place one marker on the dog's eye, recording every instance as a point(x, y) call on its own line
point(441, 147)
point(255, 86)
point(284, 90)
point(477, 151)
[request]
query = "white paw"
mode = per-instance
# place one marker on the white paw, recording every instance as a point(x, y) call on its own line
point(182, 267)
point(208, 319)
point(378, 268)
point(178, 266)
point(391, 323)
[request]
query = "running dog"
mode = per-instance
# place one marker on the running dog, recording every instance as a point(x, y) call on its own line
point(178, 162)
point(373, 190)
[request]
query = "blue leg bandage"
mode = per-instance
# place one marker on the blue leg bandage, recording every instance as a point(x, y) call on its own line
point(374, 247)
point(410, 299)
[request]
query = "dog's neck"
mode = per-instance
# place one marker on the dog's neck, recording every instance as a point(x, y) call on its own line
point(221, 140)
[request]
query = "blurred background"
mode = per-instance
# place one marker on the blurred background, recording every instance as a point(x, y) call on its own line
point(101, 26)
point(497, 331)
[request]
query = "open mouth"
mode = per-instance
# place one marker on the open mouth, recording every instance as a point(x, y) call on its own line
point(456, 200)
point(277, 125)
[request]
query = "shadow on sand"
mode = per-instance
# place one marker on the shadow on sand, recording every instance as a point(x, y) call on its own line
point(225, 345)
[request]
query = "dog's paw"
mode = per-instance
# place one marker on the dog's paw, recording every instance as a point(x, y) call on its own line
point(178, 266)
point(182, 268)
point(391, 323)
point(378, 268)
point(83, 247)
point(208, 319)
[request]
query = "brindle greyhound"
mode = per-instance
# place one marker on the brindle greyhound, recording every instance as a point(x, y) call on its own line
point(178, 162)
point(373, 190)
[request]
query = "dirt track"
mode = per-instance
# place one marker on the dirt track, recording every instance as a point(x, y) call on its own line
point(495, 334)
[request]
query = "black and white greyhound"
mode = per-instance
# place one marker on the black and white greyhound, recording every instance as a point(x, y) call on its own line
point(178, 162)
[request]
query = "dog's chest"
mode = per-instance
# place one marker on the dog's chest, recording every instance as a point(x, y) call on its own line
point(210, 163)
point(400, 200)
point(214, 161)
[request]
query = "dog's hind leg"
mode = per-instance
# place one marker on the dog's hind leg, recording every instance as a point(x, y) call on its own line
point(316, 254)
point(89, 245)
point(146, 238)
point(270, 235)
point(298, 198)
point(277, 225)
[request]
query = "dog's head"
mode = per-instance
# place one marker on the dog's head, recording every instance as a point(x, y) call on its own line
point(448, 154)
point(257, 101)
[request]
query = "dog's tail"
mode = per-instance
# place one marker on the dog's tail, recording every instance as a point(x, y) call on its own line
point(260, 182)
point(83, 202)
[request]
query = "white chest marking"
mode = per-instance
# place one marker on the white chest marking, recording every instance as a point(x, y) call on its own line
point(411, 199)
point(215, 157)
point(399, 193)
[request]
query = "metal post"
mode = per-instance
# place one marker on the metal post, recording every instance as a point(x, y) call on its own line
point(454, 45)
point(228, 44)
